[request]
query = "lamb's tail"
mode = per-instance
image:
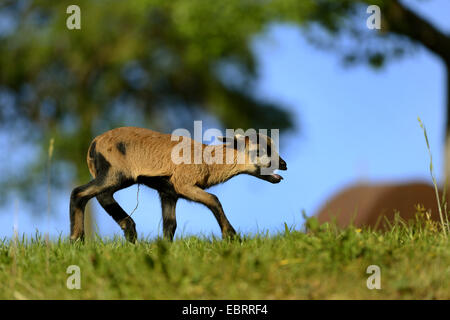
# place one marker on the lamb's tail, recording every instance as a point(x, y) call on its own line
point(91, 156)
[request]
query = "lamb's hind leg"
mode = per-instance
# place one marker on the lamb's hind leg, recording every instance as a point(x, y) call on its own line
point(78, 200)
point(125, 222)
point(168, 204)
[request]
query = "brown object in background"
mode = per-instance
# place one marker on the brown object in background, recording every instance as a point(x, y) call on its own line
point(365, 203)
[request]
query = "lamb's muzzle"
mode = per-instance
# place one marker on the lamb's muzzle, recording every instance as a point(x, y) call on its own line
point(125, 156)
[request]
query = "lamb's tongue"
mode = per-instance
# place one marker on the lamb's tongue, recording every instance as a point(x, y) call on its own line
point(277, 176)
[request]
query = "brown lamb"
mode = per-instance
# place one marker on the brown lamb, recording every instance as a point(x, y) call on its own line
point(125, 156)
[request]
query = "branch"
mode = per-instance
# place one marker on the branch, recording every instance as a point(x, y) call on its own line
point(403, 21)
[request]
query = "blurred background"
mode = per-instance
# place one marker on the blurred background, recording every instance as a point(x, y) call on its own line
point(345, 98)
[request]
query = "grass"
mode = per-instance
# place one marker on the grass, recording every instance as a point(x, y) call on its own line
point(444, 223)
point(322, 263)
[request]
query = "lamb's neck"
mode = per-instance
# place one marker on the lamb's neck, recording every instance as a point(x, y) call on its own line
point(219, 173)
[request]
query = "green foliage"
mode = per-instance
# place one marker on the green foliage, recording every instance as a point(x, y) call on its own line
point(155, 63)
point(329, 263)
point(342, 29)
point(161, 64)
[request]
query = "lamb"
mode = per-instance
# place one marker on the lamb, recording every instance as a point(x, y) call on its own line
point(125, 156)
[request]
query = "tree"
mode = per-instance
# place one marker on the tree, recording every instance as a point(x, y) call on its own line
point(401, 29)
point(160, 64)
point(152, 63)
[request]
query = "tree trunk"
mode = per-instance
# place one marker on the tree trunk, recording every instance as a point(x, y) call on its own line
point(403, 21)
point(447, 130)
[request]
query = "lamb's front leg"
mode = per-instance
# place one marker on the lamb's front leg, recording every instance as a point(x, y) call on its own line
point(168, 205)
point(197, 194)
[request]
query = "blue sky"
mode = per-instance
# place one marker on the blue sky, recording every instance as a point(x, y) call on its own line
point(356, 124)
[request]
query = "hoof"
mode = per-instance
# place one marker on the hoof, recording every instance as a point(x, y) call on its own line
point(76, 238)
point(230, 233)
point(129, 229)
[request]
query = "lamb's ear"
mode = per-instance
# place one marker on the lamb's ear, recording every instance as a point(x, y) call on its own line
point(236, 141)
point(225, 139)
point(240, 141)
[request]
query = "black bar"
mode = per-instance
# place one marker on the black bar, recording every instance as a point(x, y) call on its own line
point(223, 309)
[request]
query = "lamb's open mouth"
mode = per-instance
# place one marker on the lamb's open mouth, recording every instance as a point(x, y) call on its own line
point(276, 177)
point(273, 178)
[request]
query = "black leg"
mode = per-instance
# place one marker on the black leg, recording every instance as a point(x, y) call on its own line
point(78, 200)
point(168, 204)
point(110, 205)
point(196, 194)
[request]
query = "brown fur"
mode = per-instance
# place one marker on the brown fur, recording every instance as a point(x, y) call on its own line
point(125, 156)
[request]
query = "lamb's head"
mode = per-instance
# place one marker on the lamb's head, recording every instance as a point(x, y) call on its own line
point(258, 154)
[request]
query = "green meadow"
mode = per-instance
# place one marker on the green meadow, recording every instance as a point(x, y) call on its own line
point(320, 262)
